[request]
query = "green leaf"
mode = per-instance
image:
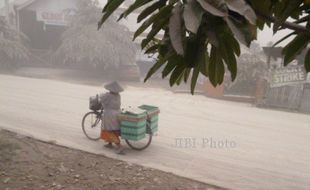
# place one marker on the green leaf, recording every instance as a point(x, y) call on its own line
point(105, 8)
point(137, 4)
point(236, 31)
point(163, 13)
point(177, 74)
point(192, 15)
point(242, 30)
point(295, 47)
point(164, 48)
point(204, 67)
point(111, 6)
point(263, 6)
point(230, 60)
point(169, 67)
point(175, 29)
point(307, 61)
point(284, 38)
point(212, 37)
point(186, 74)
point(157, 26)
point(201, 66)
point(260, 23)
point(153, 49)
point(233, 43)
point(241, 7)
point(192, 50)
point(160, 62)
point(149, 10)
point(215, 10)
point(229, 47)
point(216, 67)
point(195, 77)
point(288, 7)
point(179, 80)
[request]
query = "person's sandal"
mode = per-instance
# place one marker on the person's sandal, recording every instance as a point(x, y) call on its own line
point(109, 145)
point(120, 151)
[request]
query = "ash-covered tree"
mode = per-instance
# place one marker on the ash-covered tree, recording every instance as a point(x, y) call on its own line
point(250, 69)
point(12, 48)
point(83, 44)
point(204, 36)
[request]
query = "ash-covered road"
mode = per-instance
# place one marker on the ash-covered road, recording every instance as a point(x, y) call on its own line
point(227, 144)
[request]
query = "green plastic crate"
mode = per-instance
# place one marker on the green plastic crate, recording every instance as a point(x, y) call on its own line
point(149, 108)
point(133, 126)
point(154, 118)
point(133, 130)
point(126, 123)
point(153, 112)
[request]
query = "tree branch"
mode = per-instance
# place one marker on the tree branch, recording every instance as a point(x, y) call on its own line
point(288, 25)
point(303, 19)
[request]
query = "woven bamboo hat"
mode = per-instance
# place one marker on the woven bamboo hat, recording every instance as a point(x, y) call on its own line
point(114, 87)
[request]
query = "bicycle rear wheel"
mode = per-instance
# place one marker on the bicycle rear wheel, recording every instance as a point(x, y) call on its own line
point(141, 144)
point(91, 125)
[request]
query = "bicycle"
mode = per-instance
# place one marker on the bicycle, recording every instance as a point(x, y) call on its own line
point(92, 131)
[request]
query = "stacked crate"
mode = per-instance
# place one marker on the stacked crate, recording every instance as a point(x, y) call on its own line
point(133, 126)
point(152, 117)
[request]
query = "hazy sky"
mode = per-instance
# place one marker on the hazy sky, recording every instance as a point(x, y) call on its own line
point(266, 36)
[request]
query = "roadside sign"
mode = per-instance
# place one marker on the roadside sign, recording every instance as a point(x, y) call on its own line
point(61, 18)
point(288, 76)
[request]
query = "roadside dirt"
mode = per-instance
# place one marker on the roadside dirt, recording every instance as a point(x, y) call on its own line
point(26, 163)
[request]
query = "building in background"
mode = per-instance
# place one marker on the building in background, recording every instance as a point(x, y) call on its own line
point(286, 87)
point(7, 11)
point(43, 21)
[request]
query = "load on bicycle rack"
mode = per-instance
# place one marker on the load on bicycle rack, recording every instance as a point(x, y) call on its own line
point(137, 127)
point(134, 125)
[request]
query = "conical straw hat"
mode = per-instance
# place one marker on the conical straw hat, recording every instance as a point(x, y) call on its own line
point(114, 87)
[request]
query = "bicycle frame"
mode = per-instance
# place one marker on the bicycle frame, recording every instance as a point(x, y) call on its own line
point(99, 115)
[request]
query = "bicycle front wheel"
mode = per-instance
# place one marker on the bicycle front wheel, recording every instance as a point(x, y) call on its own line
point(91, 125)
